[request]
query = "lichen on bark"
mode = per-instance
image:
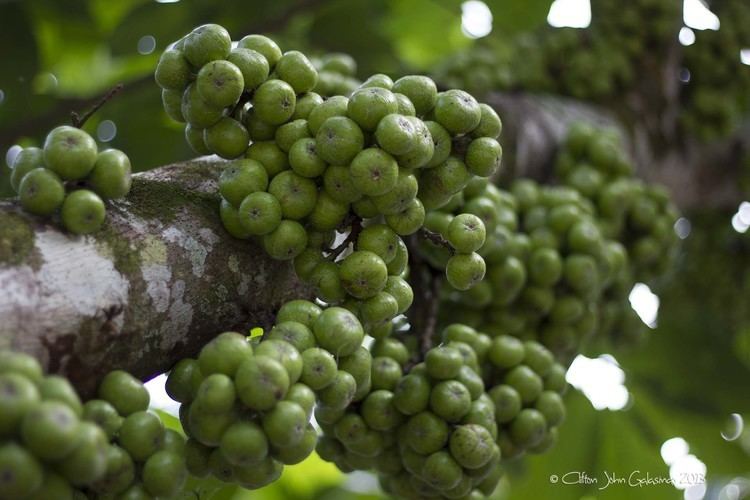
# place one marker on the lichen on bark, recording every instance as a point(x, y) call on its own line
point(159, 280)
point(16, 239)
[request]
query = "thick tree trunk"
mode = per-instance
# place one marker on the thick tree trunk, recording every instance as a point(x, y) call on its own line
point(160, 279)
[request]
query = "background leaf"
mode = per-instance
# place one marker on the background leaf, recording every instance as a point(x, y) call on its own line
point(515, 16)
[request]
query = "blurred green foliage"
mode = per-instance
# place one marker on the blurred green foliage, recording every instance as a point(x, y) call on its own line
point(692, 373)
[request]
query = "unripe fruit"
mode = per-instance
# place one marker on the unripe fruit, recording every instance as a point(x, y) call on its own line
point(20, 472)
point(124, 392)
point(369, 105)
point(104, 415)
point(259, 213)
point(287, 241)
point(297, 70)
point(302, 311)
point(489, 124)
point(241, 178)
point(443, 362)
point(334, 106)
point(506, 352)
point(426, 433)
point(57, 388)
point(216, 394)
point(526, 382)
point(244, 443)
point(339, 139)
point(306, 103)
point(283, 352)
point(401, 197)
point(25, 161)
point(396, 134)
point(483, 156)
point(220, 83)
point(338, 331)
point(420, 90)
point(206, 43)
point(263, 45)
point(227, 138)
point(274, 102)
point(253, 66)
point(194, 138)
point(374, 172)
point(441, 471)
point(363, 274)
point(231, 221)
point(88, 460)
point(304, 158)
point(457, 111)
point(296, 334)
point(261, 382)
point(340, 392)
point(50, 430)
point(450, 400)
point(110, 177)
point(19, 396)
point(141, 434)
point(466, 233)
point(171, 100)
point(83, 212)
point(173, 70)
point(257, 476)
point(196, 111)
point(465, 270)
point(41, 192)
point(296, 194)
point(164, 473)
point(528, 428)
point(69, 152)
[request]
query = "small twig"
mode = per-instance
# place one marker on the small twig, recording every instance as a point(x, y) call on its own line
point(460, 145)
point(426, 282)
point(427, 336)
point(356, 228)
point(244, 99)
point(436, 238)
point(80, 120)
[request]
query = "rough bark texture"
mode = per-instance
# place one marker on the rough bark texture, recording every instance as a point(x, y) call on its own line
point(534, 126)
point(160, 279)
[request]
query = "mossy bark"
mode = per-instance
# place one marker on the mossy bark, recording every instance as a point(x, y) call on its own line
point(159, 280)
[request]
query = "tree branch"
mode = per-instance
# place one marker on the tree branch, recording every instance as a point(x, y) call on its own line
point(423, 314)
point(698, 175)
point(159, 280)
point(436, 239)
point(80, 120)
point(427, 336)
point(355, 228)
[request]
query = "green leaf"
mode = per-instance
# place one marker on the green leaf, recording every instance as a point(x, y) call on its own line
point(170, 421)
point(210, 488)
point(592, 443)
point(302, 481)
point(701, 432)
point(368, 42)
point(423, 32)
point(107, 14)
point(514, 16)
